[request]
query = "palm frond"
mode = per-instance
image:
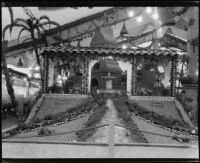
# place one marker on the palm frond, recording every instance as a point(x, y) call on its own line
point(20, 20)
point(5, 29)
point(19, 23)
point(22, 26)
point(44, 17)
point(23, 29)
point(11, 17)
point(27, 39)
point(49, 22)
point(38, 32)
point(52, 23)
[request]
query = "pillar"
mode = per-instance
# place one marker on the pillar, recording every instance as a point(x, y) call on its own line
point(85, 76)
point(133, 76)
point(173, 75)
point(45, 73)
point(42, 75)
point(193, 39)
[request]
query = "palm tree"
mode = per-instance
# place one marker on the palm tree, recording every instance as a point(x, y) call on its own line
point(4, 66)
point(7, 76)
point(33, 26)
point(30, 25)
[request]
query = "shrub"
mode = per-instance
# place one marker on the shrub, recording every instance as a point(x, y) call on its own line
point(93, 120)
point(122, 111)
point(165, 92)
point(22, 126)
point(44, 131)
point(188, 99)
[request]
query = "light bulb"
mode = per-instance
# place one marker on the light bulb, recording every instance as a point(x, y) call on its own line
point(124, 46)
point(59, 77)
point(139, 19)
point(37, 68)
point(148, 10)
point(131, 13)
point(155, 16)
point(197, 73)
point(65, 78)
point(59, 81)
point(30, 75)
point(37, 75)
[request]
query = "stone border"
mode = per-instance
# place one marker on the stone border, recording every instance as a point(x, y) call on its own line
point(65, 95)
point(55, 124)
point(163, 127)
point(103, 144)
point(183, 113)
point(8, 129)
point(35, 109)
point(157, 145)
point(156, 98)
point(55, 142)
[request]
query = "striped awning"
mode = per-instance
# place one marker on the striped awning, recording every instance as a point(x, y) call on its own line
point(108, 51)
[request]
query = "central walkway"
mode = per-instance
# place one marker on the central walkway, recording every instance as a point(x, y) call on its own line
point(102, 133)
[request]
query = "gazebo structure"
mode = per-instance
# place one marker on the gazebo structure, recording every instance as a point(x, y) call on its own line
point(87, 54)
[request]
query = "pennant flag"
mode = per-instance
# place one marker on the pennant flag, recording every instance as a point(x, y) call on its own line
point(20, 63)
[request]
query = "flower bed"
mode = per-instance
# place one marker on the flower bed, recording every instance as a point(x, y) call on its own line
point(157, 119)
point(94, 119)
point(58, 118)
point(92, 122)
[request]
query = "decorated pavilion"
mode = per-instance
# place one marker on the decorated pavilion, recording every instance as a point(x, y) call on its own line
point(141, 52)
point(90, 55)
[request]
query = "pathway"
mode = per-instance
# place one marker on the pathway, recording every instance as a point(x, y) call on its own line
point(102, 133)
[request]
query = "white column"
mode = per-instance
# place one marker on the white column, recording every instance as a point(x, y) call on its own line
point(91, 64)
point(193, 33)
point(126, 66)
point(51, 72)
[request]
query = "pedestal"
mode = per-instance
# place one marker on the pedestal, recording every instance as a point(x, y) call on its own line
point(109, 84)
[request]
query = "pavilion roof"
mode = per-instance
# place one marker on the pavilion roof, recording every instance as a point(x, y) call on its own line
point(109, 51)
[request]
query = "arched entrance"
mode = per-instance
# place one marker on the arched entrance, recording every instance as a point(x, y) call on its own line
point(94, 83)
point(124, 66)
